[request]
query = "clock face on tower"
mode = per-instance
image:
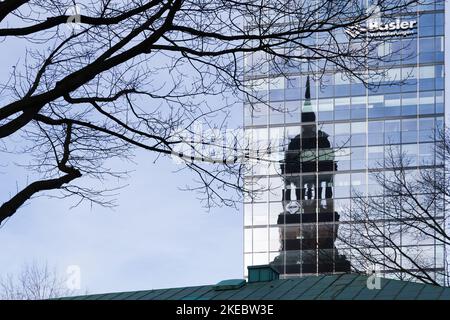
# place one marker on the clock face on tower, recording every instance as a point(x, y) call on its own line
point(292, 207)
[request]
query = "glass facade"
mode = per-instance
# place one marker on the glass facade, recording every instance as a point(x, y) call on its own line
point(325, 136)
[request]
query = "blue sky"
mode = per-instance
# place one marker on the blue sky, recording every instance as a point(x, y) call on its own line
point(157, 236)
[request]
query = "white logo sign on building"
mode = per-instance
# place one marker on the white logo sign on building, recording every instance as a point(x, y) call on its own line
point(376, 29)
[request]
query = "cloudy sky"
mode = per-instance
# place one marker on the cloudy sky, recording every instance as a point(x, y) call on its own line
point(157, 236)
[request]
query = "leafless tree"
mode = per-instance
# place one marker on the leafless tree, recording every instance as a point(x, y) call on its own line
point(35, 281)
point(140, 74)
point(400, 225)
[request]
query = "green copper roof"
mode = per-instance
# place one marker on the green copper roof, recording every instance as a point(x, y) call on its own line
point(230, 284)
point(325, 287)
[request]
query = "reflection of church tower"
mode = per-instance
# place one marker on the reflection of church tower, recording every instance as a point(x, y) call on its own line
point(309, 224)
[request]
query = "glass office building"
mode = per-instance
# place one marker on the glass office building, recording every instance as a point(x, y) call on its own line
point(325, 138)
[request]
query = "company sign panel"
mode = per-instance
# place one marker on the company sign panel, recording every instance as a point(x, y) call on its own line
point(377, 29)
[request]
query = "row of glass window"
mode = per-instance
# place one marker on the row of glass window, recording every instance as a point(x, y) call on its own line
point(393, 80)
point(426, 47)
point(342, 184)
point(361, 107)
point(360, 158)
point(434, 257)
point(410, 51)
point(268, 240)
point(268, 213)
point(346, 134)
point(418, 7)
